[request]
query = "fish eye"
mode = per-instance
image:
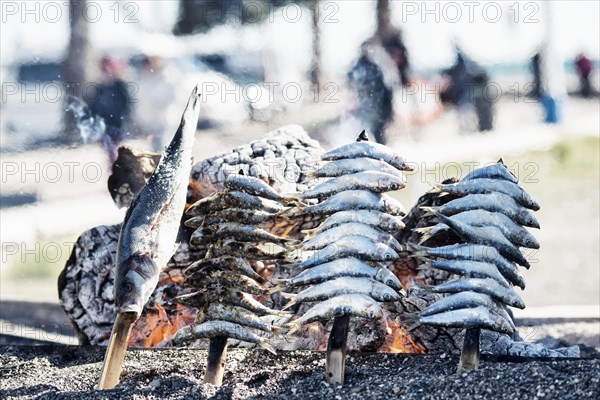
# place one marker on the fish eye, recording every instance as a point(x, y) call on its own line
point(389, 282)
point(394, 186)
point(388, 256)
point(128, 287)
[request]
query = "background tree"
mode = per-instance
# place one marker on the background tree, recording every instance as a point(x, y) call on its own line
point(76, 66)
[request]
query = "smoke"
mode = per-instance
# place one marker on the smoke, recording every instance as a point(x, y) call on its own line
point(91, 128)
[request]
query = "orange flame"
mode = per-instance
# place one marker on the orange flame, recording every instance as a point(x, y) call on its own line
point(398, 340)
point(156, 325)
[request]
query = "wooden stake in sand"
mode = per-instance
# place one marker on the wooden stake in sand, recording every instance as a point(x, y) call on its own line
point(335, 364)
point(469, 358)
point(215, 365)
point(115, 352)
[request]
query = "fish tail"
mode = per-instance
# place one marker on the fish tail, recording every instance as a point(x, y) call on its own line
point(287, 214)
point(429, 211)
point(425, 265)
point(276, 329)
point(293, 327)
point(411, 321)
point(267, 347)
point(435, 187)
point(288, 296)
point(277, 288)
point(424, 231)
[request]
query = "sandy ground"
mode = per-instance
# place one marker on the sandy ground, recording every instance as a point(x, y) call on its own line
point(71, 372)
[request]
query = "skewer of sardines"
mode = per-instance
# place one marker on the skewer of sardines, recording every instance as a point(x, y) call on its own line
point(487, 214)
point(342, 257)
point(224, 282)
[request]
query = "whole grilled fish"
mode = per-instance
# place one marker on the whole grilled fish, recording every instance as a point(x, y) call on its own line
point(498, 170)
point(230, 247)
point(358, 305)
point(368, 150)
point(210, 329)
point(333, 169)
point(237, 315)
point(387, 222)
point(493, 202)
point(471, 269)
point(482, 185)
point(356, 200)
point(203, 298)
point(237, 231)
point(511, 230)
point(488, 235)
point(225, 263)
point(349, 266)
point(251, 217)
point(221, 280)
point(485, 286)
point(476, 252)
point(251, 185)
point(478, 317)
point(373, 181)
point(149, 230)
point(467, 300)
point(235, 199)
point(344, 285)
point(332, 235)
point(351, 246)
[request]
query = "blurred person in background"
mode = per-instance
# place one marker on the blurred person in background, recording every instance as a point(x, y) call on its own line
point(584, 69)
point(536, 70)
point(112, 102)
point(156, 97)
point(381, 66)
point(466, 89)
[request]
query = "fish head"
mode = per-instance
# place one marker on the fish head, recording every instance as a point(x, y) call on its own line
point(387, 277)
point(135, 286)
point(528, 219)
point(529, 241)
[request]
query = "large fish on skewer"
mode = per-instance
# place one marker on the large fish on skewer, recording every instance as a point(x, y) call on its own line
point(148, 235)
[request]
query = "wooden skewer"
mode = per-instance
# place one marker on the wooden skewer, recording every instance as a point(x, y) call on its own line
point(215, 366)
point(115, 352)
point(469, 358)
point(335, 365)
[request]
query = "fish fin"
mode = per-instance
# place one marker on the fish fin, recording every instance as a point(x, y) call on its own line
point(411, 321)
point(267, 347)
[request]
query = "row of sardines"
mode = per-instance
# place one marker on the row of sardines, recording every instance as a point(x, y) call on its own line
point(339, 265)
point(487, 211)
